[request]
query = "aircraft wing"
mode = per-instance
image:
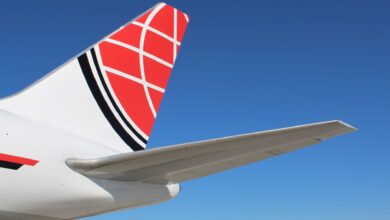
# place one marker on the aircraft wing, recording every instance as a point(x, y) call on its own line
point(194, 160)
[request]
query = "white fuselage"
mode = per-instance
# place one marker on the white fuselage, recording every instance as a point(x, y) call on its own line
point(51, 188)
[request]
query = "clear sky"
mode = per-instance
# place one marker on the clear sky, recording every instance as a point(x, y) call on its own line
point(246, 66)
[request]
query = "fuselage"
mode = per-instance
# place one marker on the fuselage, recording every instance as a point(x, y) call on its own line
point(50, 188)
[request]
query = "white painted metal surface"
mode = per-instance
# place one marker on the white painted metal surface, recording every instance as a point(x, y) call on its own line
point(67, 141)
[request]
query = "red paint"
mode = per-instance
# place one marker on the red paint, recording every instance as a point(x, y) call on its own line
point(156, 73)
point(137, 103)
point(132, 97)
point(19, 160)
point(130, 35)
point(125, 60)
point(159, 47)
point(163, 20)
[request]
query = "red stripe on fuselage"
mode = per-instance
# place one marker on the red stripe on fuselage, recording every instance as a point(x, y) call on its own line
point(19, 160)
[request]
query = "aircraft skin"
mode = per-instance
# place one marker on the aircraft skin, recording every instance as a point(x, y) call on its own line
point(73, 144)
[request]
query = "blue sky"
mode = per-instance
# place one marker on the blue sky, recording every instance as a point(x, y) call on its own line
point(246, 66)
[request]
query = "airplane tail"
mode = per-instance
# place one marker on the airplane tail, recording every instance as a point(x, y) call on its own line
point(112, 92)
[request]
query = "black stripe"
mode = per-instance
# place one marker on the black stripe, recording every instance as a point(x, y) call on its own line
point(10, 165)
point(112, 99)
point(87, 71)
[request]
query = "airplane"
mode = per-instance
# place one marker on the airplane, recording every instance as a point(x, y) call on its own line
point(73, 144)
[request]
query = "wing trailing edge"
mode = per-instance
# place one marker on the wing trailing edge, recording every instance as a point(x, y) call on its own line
point(185, 162)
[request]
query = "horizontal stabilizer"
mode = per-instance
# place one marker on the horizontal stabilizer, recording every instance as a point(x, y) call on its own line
point(193, 160)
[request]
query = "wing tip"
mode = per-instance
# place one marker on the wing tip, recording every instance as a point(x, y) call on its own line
point(345, 126)
point(338, 128)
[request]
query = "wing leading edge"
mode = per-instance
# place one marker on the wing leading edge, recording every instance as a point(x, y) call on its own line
point(185, 162)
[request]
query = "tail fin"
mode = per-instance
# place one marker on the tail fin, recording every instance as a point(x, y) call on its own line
point(112, 92)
